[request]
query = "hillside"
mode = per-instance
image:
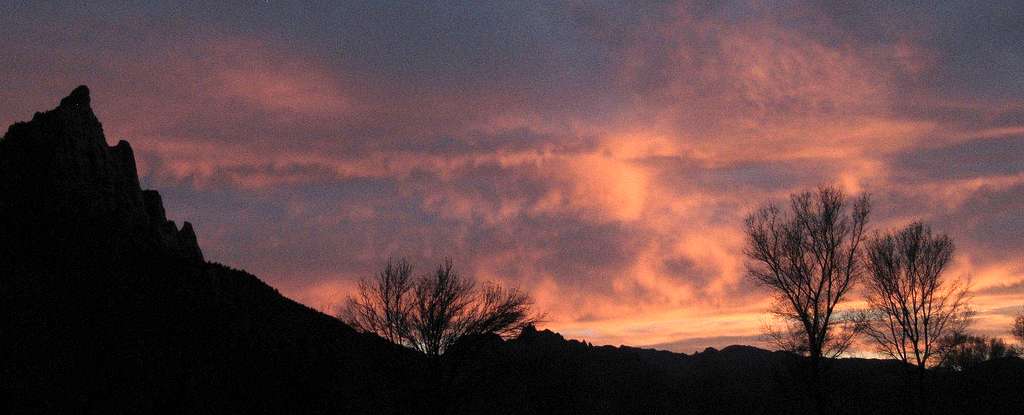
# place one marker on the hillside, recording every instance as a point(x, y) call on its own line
point(111, 307)
point(543, 373)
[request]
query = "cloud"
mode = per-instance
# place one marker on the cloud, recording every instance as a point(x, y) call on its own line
point(698, 344)
point(601, 155)
point(991, 155)
point(1013, 289)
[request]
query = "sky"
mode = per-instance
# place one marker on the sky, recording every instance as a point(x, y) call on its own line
point(600, 155)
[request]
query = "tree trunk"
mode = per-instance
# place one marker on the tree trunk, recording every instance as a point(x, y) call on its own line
point(438, 399)
point(919, 379)
point(815, 388)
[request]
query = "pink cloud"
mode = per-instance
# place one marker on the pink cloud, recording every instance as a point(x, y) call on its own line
point(617, 205)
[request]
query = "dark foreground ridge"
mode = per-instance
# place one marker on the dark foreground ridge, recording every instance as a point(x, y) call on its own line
point(111, 308)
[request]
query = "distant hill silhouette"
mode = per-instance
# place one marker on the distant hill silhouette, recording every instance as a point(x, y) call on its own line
point(543, 373)
point(111, 308)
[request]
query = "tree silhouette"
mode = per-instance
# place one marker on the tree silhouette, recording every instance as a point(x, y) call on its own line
point(1018, 328)
point(911, 303)
point(381, 305)
point(960, 351)
point(808, 258)
point(436, 311)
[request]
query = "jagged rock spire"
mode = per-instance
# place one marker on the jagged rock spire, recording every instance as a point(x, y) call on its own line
point(58, 177)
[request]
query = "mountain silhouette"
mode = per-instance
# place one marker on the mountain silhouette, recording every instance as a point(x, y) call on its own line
point(109, 307)
point(61, 180)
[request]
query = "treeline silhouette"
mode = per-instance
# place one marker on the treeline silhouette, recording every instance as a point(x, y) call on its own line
point(813, 255)
point(111, 308)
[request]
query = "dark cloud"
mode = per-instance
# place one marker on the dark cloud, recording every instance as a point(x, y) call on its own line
point(513, 140)
point(748, 176)
point(1010, 288)
point(980, 158)
point(698, 344)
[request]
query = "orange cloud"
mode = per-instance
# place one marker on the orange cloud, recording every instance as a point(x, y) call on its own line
point(609, 175)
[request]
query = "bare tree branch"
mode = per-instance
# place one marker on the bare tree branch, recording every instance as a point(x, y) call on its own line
point(911, 303)
point(808, 258)
point(381, 305)
point(436, 311)
point(959, 351)
point(912, 307)
point(1018, 328)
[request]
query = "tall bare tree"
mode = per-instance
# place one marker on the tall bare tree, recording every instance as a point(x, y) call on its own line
point(808, 257)
point(434, 312)
point(912, 304)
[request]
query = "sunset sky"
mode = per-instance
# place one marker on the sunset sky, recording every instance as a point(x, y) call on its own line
point(600, 155)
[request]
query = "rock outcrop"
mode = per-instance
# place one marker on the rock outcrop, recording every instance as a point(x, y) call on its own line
point(109, 308)
point(59, 180)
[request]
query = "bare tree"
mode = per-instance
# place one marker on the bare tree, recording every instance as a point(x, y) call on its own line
point(911, 303)
point(434, 312)
point(959, 351)
point(1018, 328)
point(381, 305)
point(808, 258)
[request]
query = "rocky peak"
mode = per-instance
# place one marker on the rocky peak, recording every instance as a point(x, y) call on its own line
point(78, 98)
point(60, 179)
point(530, 335)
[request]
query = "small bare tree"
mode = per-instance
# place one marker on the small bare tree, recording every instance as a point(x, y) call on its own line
point(434, 312)
point(960, 351)
point(911, 303)
point(808, 258)
point(1018, 329)
point(381, 305)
